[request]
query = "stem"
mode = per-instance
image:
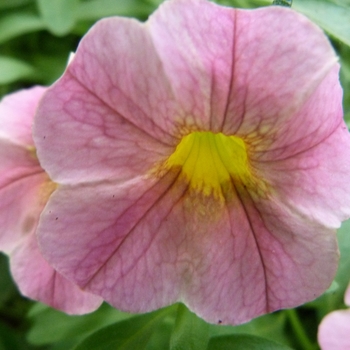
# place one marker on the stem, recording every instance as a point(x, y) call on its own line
point(299, 330)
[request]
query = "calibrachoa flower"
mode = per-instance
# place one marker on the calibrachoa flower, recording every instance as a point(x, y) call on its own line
point(334, 330)
point(200, 157)
point(24, 191)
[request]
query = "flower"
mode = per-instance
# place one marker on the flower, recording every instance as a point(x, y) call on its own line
point(334, 330)
point(24, 191)
point(200, 157)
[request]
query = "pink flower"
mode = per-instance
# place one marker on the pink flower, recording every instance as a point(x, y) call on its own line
point(24, 191)
point(334, 330)
point(200, 157)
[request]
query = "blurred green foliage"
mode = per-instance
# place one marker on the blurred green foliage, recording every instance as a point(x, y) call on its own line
point(36, 38)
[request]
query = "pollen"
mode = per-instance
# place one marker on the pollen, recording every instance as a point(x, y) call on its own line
point(209, 161)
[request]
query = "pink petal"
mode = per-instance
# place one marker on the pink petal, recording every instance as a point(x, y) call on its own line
point(319, 117)
point(106, 144)
point(334, 331)
point(22, 197)
point(21, 202)
point(24, 191)
point(16, 115)
point(141, 246)
point(37, 280)
point(197, 54)
point(16, 162)
point(278, 75)
point(250, 75)
point(308, 182)
point(180, 84)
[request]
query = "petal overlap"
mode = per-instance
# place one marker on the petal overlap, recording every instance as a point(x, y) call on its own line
point(24, 191)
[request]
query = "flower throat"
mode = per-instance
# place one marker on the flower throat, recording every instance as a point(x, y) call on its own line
point(209, 161)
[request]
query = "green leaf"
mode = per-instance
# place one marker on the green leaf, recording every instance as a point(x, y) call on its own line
point(7, 288)
point(12, 336)
point(287, 3)
point(12, 70)
point(160, 338)
point(244, 342)
point(5, 4)
point(59, 15)
point(271, 326)
point(96, 9)
point(17, 24)
point(190, 332)
point(344, 52)
point(343, 273)
point(333, 18)
point(50, 67)
point(131, 334)
point(50, 325)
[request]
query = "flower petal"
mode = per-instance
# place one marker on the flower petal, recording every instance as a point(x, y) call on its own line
point(37, 280)
point(144, 245)
point(116, 61)
point(180, 83)
point(107, 224)
point(252, 73)
point(315, 182)
point(334, 330)
point(299, 255)
point(314, 122)
point(276, 72)
point(16, 115)
point(21, 177)
point(197, 54)
point(24, 191)
point(106, 145)
point(20, 207)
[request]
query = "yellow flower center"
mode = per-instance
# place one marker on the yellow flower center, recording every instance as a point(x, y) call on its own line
point(210, 161)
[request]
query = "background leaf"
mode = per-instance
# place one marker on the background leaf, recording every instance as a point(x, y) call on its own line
point(190, 331)
point(95, 9)
point(271, 326)
point(12, 69)
point(17, 24)
point(5, 4)
point(244, 342)
point(50, 325)
point(332, 17)
point(131, 334)
point(59, 15)
point(344, 52)
point(6, 286)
